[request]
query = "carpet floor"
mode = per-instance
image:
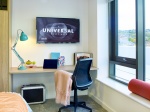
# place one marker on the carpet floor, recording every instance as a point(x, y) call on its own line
point(51, 106)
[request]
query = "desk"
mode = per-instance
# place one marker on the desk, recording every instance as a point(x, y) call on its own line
point(14, 70)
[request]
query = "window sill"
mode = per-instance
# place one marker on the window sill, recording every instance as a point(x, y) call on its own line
point(123, 89)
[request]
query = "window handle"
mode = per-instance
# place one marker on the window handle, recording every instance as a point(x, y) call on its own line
point(124, 59)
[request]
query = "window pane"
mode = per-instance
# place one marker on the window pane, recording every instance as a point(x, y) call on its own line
point(124, 73)
point(126, 29)
point(147, 39)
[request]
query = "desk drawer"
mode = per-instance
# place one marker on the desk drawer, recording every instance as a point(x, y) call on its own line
point(33, 93)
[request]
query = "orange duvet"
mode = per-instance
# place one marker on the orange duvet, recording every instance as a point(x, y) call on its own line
point(12, 102)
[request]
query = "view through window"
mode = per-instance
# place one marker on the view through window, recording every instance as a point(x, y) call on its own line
point(126, 37)
point(147, 39)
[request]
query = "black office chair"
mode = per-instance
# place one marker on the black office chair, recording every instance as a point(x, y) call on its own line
point(81, 81)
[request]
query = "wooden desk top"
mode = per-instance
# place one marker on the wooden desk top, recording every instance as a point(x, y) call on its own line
point(14, 70)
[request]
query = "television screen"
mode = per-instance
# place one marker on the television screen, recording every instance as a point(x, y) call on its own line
point(57, 30)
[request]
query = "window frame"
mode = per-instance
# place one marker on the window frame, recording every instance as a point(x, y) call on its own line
point(114, 59)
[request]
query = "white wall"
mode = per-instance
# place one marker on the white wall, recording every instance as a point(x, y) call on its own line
point(24, 13)
point(115, 101)
point(92, 28)
point(98, 34)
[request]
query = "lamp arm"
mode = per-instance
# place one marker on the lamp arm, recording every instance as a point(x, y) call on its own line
point(17, 38)
point(19, 57)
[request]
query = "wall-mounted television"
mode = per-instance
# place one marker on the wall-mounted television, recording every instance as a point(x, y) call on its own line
point(57, 30)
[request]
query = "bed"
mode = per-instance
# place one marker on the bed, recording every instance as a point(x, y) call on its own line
point(13, 102)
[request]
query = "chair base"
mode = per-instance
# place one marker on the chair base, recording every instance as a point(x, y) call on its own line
point(75, 103)
point(79, 104)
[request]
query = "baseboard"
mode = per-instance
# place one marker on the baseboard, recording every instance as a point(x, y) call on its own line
point(101, 103)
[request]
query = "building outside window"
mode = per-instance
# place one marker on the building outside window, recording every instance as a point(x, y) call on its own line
point(129, 40)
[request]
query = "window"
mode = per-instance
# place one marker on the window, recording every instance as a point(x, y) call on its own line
point(127, 40)
point(126, 29)
point(147, 39)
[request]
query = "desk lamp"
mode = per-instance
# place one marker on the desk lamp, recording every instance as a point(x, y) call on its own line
point(23, 37)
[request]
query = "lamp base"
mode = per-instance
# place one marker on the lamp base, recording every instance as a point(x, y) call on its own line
point(22, 67)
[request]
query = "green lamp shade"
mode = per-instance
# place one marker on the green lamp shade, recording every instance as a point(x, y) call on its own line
point(23, 37)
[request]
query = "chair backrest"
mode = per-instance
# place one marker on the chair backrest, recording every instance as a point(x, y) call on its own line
point(81, 74)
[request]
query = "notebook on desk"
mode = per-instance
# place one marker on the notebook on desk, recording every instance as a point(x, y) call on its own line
point(50, 63)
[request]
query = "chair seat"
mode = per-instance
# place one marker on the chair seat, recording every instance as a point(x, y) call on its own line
point(84, 86)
